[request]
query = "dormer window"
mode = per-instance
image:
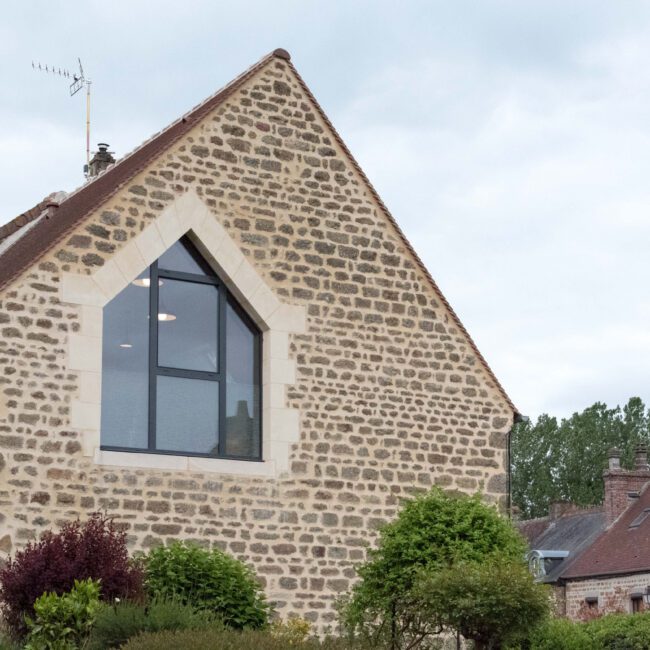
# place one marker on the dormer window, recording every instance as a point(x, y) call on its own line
point(181, 364)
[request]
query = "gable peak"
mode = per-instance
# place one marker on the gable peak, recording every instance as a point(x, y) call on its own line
point(281, 53)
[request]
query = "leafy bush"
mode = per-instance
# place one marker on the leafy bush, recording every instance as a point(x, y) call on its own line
point(620, 632)
point(561, 634)
point(64, 622)
point(95, 549)
point(611, 632)
point(116, 624)
point(430, 532)
point(210, 580)
point(491, 603)
point(293, 631)
point(213, 639)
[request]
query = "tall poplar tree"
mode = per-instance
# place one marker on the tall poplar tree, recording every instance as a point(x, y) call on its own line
point(564, 461)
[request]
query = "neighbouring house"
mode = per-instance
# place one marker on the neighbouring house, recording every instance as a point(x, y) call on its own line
point(225, 337)
point(598, 559)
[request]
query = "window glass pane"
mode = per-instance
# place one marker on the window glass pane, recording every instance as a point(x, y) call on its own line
point(187, 415)
point(178, 258)
point(187, 325)
point(125, 367)
point(242, 392)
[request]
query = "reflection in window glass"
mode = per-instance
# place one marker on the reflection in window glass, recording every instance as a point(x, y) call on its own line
point(178, 258)
point(125, 364)
point(187, 415)
point(199, 391)
point(187, 327)
point(242, 393)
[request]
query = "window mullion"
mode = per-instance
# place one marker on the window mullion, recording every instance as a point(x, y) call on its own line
point(153, 351)
point(221, 330)
point(257, 379)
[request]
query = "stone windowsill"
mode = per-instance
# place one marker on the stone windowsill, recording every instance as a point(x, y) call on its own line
point(124, 459)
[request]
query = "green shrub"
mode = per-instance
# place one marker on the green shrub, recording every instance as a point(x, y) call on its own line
point(211, 580)
point(562, 634)
point(215, 639)
point(431, 532)
point(491, 602)
point(620, 632)
point(612, 632)
point(293, 632)
point(116, 624)
point(64, 622)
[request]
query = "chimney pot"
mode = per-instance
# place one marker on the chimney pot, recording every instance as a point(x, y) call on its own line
point(614, 458)
point(641, 457)
point(101, 160)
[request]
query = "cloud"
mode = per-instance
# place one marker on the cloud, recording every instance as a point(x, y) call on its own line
point(509, 139)
point(525, 193)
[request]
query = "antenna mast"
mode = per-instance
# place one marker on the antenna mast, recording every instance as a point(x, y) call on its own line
point(77, 84)
point(79, 80)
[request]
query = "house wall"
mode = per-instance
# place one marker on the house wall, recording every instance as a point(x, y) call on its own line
point(391, 396)
point(613, 594)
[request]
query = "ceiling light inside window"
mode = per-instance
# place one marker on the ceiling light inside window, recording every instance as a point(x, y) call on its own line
point(145, 282)
point(166, 317)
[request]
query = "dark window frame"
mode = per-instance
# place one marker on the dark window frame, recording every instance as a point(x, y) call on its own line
point(224, 299)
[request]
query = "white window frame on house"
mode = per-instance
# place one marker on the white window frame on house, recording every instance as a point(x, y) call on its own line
point(277, 321)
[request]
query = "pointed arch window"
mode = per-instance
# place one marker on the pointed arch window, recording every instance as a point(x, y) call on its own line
point(180, 364)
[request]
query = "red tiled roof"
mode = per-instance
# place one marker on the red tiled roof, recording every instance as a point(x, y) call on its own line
point(51, 230)
point(621, 549)
point(55, 227)
point(26, 217)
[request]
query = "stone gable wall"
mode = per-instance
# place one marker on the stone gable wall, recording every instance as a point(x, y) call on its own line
point(392, 397)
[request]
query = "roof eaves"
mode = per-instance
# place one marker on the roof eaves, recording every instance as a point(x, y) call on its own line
point(585, 575)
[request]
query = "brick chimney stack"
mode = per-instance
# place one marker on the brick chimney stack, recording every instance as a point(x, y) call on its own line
point(622, 486)
point(101, 160)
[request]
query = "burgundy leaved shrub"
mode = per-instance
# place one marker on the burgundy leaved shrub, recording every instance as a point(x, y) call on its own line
point(94, 549)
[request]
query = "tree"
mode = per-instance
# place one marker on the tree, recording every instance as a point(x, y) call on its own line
point(564, 462)
point(492, 602)
point(430, 533)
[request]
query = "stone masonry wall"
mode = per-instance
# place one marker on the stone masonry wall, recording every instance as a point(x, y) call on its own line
point(613, 594)
point(392, 396)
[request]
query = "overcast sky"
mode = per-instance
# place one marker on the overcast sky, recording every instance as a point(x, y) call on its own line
point(511, 140)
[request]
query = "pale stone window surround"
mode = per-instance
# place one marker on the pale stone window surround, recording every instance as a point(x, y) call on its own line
point(186, 215)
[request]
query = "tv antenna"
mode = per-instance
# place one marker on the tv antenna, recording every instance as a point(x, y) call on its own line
point(79, 80)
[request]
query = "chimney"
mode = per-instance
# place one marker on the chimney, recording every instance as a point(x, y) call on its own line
point(101, 160)
point(559, 508)
point(622, 486)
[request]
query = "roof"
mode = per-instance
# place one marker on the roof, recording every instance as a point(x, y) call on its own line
point(573, 532)
point(57, 223)
point(623, 548)
point(22, 220)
